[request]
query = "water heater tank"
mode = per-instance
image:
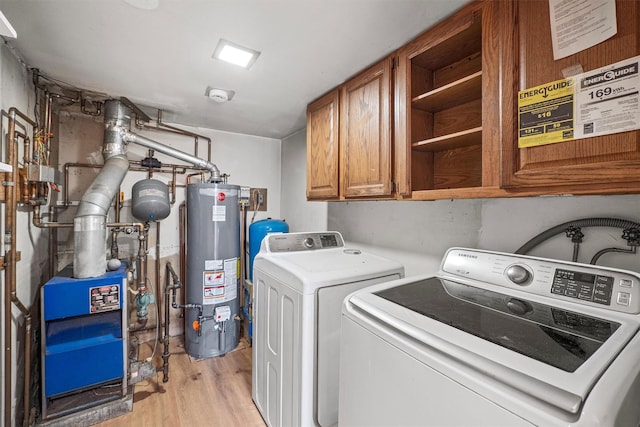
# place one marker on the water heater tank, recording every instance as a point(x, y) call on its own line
point(257, 231)
point(213, 266)
point(150, 200)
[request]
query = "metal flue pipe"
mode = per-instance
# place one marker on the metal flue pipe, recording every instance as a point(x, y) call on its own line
point(89, 224)
point(169, 151)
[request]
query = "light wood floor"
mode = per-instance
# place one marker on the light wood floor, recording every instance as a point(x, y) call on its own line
point(207, 392)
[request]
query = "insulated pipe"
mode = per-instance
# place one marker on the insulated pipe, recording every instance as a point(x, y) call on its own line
point(169, 151)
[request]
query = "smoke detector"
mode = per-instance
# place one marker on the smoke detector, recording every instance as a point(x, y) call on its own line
point(219, 95)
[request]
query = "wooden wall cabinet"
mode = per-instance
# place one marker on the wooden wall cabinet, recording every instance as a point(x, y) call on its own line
point(447, 113)
point(365, 133)
point(450, 127)
point(349, 139)
point(322, 147)
point(598, 165)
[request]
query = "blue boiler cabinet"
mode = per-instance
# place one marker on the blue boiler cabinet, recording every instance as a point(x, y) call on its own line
point(84, 339)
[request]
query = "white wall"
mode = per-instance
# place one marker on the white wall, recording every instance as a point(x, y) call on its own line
point(411, 231)
point(16, 91)
point(299, 214)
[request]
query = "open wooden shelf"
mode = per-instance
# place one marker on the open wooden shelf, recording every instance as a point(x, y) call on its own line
point(452, 141)
point(458, 92)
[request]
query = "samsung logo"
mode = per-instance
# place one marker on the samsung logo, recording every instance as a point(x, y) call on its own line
point(467, 255)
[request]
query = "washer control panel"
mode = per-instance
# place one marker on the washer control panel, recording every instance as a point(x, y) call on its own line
point(597, 286)
point(294, 242)
point(584, 286)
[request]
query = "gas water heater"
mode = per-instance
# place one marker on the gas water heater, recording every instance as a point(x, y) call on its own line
point(213, 255)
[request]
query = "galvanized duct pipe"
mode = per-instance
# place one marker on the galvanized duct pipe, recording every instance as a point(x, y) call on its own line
point(90, 233)
point(169, 151)
point(89, 224)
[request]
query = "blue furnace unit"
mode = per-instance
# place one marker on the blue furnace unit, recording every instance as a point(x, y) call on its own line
point(84, 337)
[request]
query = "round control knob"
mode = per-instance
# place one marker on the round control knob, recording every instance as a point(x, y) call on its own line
point(308, 242)
point(518, 274)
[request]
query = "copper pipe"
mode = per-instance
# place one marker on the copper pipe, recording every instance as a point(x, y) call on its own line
point(174, 177)
point(47, 132)
point(142, 257)
point(26, 397)
point(185, 132)
point(53, 244)
point(11, 199)
point(171, 284)
point(10, 269)
point(182, 221)
point(37, 221)
point(175, 169)
point(243, 248)
point(156, 289)
point(200, 174)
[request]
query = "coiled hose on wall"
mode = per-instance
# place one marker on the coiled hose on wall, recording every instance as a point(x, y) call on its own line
point(580, 223)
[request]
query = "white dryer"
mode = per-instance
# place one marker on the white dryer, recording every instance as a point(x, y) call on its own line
point(300, 282)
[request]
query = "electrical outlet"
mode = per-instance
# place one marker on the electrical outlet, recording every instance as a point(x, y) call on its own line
point(258, 197)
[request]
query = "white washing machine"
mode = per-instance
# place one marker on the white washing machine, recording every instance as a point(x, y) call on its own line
point(494, 339)
point(300, 281)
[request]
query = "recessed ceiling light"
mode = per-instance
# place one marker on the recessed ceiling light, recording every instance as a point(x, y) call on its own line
point(235, 54)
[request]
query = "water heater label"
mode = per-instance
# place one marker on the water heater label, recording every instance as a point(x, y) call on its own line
point(213, 264)
point(104, 298)
point(220, 286)
point(219, 213)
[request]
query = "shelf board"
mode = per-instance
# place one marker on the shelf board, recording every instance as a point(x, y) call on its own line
point(451, 141)
point(455, 93)
point(451, 49)
point(4, 167)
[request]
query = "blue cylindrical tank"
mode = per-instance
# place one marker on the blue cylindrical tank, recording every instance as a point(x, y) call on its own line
point(257, 231)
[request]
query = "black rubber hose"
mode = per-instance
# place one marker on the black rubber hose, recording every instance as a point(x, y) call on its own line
point(585, 222)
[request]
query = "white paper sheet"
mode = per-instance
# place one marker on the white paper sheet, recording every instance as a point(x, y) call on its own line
point(579, 24)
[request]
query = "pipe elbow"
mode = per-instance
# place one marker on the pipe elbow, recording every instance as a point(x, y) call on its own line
point(98, 197)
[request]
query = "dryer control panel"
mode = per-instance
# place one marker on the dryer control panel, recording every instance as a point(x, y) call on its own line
point(597, 286)
point(294, 242)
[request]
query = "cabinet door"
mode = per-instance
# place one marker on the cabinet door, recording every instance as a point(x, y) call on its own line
point(365, 133)
point(322, 147)
point(609, 163)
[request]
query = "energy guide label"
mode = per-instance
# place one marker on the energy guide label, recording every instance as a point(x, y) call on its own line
point(607, 100)
point(545, 114)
